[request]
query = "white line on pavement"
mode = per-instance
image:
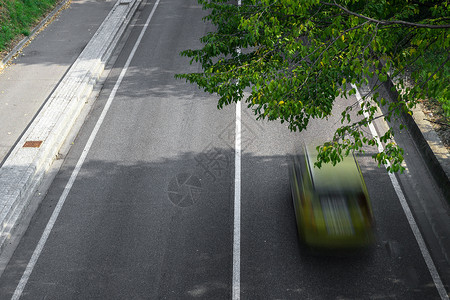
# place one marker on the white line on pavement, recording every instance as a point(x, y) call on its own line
point(37, 252)
point(412, 223)
point(237, 209)
point(236, 290)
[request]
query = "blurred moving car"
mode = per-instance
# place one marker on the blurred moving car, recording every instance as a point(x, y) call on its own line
point(332, 205)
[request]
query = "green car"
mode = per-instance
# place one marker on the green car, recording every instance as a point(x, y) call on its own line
point(332, 206)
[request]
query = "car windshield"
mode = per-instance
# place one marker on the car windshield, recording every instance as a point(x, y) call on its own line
point(343, 176)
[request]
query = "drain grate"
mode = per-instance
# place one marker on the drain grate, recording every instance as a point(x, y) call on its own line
point(32, 144)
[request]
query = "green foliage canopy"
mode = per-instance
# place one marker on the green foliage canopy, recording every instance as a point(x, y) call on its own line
point(298, 56)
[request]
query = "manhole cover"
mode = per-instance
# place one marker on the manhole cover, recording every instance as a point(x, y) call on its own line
point(184, 189)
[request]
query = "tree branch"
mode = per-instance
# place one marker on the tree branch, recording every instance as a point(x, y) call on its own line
point(431, 76)
point(439, 123)
point(385, 22)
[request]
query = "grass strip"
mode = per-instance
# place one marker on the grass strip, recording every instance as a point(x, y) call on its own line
point(18, 17)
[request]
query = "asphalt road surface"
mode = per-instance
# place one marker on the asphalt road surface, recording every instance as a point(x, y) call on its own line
point(150, 214)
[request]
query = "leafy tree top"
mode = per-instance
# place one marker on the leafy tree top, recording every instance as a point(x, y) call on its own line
point(298, 56)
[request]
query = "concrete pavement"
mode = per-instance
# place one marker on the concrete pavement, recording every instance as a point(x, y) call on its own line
point(43, 91)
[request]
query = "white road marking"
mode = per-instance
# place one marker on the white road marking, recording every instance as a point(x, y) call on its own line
point(37, 252)
point(236, 292)
point(412, 222)
point(236, 289)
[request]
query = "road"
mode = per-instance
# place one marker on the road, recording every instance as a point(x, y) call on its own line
point(150, 214)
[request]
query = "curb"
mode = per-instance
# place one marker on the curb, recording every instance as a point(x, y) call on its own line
point(427, 141)
point(36, 30)
point(23, 170)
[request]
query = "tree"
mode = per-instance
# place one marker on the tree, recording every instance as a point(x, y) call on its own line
point(298, 56)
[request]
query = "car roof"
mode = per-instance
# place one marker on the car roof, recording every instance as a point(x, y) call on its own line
point(344, 176)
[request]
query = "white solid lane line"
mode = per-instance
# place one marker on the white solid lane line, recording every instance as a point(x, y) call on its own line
point(37, 252)
point(236, 290)
point(412, 222)
point(236, 280)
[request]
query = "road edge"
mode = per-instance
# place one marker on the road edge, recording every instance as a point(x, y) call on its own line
point(427, 141)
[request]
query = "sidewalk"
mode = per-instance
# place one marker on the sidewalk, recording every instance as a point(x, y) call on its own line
point(28, 82)
point(43, 92)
